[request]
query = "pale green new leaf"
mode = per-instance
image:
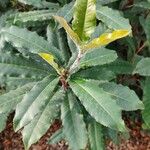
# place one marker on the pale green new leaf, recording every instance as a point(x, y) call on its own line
point(8, 101)
point(143, 67)
point(33, 101)
point(3, 119)
point(99, 56)
point(84, 21)
point(29, 40)
point(112, 18)
point(98, 103)
point(96, 137)
point(125, 98)
point(56, 137)
point(74, 128)
point(41, 123)
point(146, 101)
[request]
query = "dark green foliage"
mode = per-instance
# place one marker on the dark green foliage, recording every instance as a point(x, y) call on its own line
point(53, 68)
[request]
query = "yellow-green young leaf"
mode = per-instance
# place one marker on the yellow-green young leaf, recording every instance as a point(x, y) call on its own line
point(50, 59)
point(68, 29)
point(105, 39)
point(47, 57)
point(84, 18)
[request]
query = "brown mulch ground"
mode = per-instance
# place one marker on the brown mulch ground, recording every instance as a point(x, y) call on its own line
point(12, 141)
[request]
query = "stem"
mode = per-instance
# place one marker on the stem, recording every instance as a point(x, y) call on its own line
point(75, 65)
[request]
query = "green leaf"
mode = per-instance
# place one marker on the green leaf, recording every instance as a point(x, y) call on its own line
point(74, 51)
point(84, 21)
point(145, 5)
point(96, 136)
point(33, 101)
point(100, 29)
point(146, 101)
point(41, 123)
point(68, 29)
point(98, 103)
point(66, 11)
point(30, 17)
point(8, 101)
point(112, 18)
point(56, 137)
point(99, 56)
point(3, 120)
point(104, 2)
point(56, 37)
point(18, 81)
point(95, 73)
point(120, 66)
point(73, 125)
point(142, 67)
point(147, 28)
point(40, 3)
point(16, 64)
point(105, 39)
point(29, 40)
point(125, 98)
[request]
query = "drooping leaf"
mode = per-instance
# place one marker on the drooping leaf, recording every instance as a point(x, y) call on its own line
point(41, 123)
point(3, 120)
point(146, 101)
point(68, 29)
point(125, 98)
point(105, 39)
point(40, 3)
point(112, 18)
point(96, 136)
point(8, 101)
point(56, 137)
point(29, 40)
point(142, 67)
point(73, 125)
point(84, 21)
point(33, 101)
point(99, 56)
point(98, 103)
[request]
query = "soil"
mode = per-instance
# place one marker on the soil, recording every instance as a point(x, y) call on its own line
point(9, 140)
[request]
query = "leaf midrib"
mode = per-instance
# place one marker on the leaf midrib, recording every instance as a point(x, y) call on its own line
point(95, 100)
